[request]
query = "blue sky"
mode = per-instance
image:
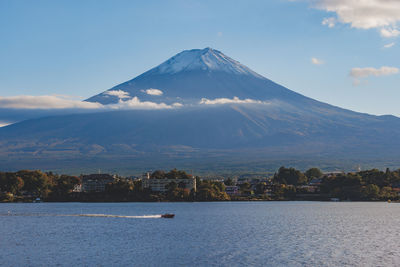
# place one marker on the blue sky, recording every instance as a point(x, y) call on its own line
point(81, 48)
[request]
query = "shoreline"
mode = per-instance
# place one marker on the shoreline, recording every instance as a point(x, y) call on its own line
point(210, 201)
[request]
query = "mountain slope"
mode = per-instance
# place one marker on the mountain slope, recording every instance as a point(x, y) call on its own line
point(227, 113)
point(195, 74)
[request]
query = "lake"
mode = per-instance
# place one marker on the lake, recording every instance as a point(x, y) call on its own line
point(201, 234)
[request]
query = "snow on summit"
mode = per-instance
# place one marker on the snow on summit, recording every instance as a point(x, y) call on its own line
point(203, 59)
point(192, 75)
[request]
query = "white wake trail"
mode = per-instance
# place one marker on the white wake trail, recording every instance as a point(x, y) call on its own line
point(85, 215)
point(119, 216)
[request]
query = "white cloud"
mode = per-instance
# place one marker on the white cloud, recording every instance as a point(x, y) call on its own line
point(330, 22)
point(118, 93)
point(358, 73)
point(316, 61)
point(44, 102)
point(57, 102)
point(389, 32)
point(389, 45)
point(365, 72)
point(235, 100)
point(177, 105)
point(135, 103)
point(3, 123)
point(152, 91)
point(383, 15)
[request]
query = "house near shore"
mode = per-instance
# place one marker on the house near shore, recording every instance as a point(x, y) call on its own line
point(315, 182)
point(232, 190)
point(96, 182)
point(77, 188)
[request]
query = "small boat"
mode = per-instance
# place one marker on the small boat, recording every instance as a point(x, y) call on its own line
point(37, 200)
point(168, 215)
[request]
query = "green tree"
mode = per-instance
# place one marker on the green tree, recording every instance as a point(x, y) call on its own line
point(260, 188)
point(289, 192)
point(177, 174)
point(371, 191)
point(376, 177)
point(171, 186)
point(138, 186)
point(289, 176)
point(158, 175)
point(343, 186)
point(245, 189)
point(387, 193)
point(10, 182)
point(35, 182)
point(211, 191)
point(120, 188)
point(65, 184)
point(278, 191)
point(313, 173)
point(229, 182)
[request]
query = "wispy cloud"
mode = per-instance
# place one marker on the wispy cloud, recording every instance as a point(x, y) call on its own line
point(389, 45)
point(153, 91)
point(358, 73)
point(45, 102)
point(330, 22)
point(365, 72)
point(389, 32)
point(383, 15)
point(118, 93)
point(316, 61)
point(235, 100)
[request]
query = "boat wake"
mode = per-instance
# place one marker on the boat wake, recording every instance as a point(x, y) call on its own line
point(119, 216)
point(86, 215)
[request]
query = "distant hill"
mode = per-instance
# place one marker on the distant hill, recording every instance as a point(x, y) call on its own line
point(217, 113)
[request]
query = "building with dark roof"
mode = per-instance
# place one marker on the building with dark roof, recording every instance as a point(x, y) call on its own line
point(96, 182)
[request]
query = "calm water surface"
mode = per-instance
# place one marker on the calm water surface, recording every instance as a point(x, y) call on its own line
point(201, 234)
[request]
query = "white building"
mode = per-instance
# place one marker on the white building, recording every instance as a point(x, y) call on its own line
point(77, 188)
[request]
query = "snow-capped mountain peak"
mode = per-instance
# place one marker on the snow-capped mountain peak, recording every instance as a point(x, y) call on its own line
point(206, 59)
point(192, 75)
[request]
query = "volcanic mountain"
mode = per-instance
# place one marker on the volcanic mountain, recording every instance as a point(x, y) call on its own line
point(201, 107)
point(195, 74)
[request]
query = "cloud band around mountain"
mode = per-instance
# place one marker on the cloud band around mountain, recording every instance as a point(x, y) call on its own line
point(52, 102)
point(3, 123)
point(63, 102)
point(118, 93)
point(234, 100)
point(135, 103)
point(45, 102)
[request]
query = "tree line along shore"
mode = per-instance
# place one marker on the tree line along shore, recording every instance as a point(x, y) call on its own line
point(177, 185)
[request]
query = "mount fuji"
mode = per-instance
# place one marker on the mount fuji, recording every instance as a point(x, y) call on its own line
point(195, 75)
point(201, 110)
